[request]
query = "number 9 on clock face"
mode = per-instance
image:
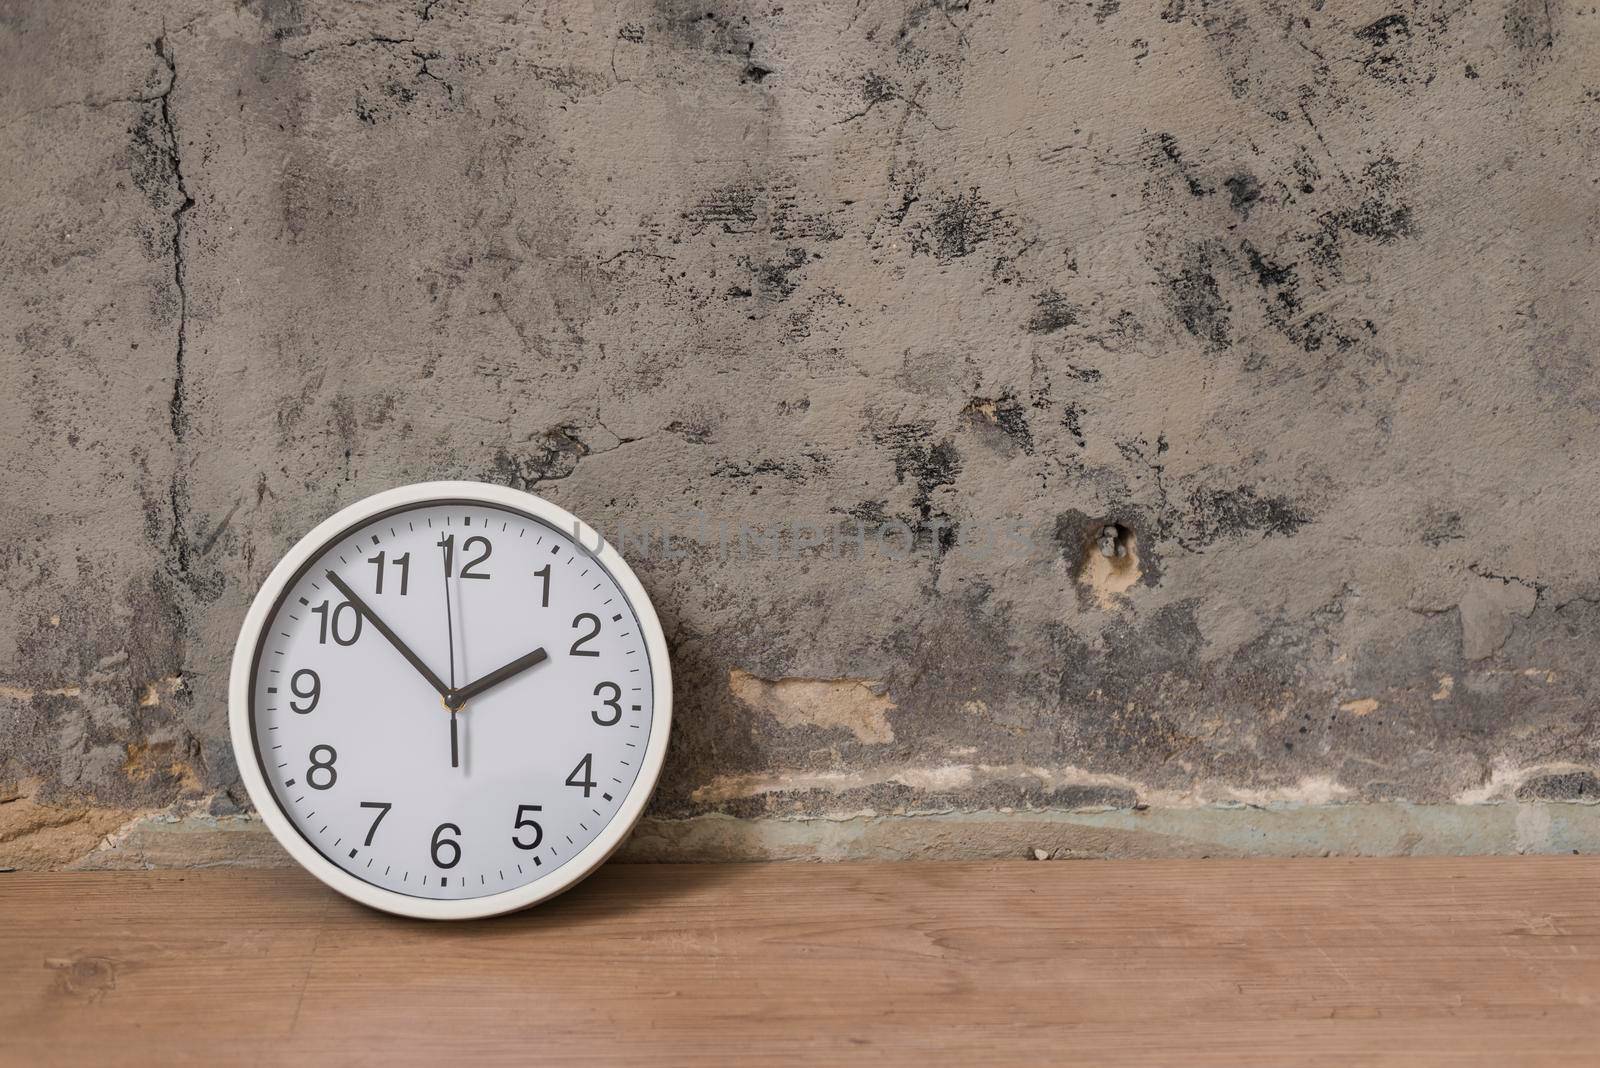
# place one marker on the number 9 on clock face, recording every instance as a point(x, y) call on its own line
point(450, 700)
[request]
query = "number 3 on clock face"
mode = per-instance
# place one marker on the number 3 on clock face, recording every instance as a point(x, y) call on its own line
point(450, 700)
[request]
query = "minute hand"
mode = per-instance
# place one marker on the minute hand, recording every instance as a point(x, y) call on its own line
point(394, 639)
point(495, 677)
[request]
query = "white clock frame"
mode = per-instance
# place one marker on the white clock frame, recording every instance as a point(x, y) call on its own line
point(328, 532)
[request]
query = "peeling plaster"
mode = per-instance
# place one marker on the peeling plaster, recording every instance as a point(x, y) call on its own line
point(40, 836)
point(1365, 706)
point(857, 705)
point(1487, 612)
point(24, 693)
point(1505, 781)
point(948, 778)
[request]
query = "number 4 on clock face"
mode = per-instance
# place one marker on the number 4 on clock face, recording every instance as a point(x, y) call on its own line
point(580, 776)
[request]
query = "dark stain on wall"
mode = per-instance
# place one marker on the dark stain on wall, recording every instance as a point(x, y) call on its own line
point(1194, 296)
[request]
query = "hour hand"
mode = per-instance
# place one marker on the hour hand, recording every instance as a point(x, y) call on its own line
point(394, 639)
point(495, 677)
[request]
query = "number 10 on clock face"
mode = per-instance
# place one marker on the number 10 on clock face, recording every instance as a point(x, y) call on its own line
point(452, 700)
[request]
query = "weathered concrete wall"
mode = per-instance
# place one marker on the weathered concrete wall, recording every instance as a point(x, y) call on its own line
point(1300, 298)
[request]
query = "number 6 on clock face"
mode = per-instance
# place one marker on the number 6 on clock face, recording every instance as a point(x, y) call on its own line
point(450, 700)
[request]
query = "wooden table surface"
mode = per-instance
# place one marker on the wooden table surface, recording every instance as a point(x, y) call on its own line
point(1415, 961)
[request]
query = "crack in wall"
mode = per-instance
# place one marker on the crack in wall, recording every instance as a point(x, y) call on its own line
point(449, 89)
point(89, 103)
point(1482, 572)
point(177, 492)
point(359, 42)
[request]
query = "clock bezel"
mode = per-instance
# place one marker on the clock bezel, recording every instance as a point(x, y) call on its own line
point(276, 587)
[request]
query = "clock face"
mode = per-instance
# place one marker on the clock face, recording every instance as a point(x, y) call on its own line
point(452, 699)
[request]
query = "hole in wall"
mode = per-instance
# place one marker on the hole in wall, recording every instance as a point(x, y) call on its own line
point(1110, 563)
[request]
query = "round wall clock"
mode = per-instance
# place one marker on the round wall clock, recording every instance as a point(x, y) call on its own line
point(450, 700)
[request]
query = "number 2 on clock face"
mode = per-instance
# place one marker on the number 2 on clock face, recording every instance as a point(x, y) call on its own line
point(451, 700)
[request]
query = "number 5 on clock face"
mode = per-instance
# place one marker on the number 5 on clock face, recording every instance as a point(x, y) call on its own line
point(447, 702)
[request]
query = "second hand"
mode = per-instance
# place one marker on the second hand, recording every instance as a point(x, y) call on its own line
point(447, 542)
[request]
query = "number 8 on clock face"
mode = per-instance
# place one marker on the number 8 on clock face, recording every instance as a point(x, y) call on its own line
point(450, 700)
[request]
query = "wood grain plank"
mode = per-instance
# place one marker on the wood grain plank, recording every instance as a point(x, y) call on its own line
point(1483, 961)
